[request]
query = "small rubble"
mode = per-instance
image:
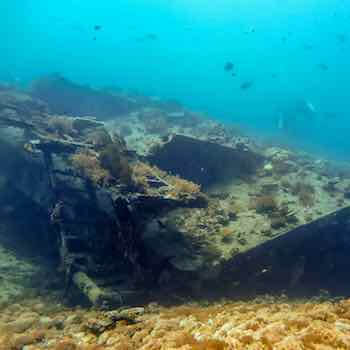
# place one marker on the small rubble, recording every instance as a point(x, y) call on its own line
point(268, 322)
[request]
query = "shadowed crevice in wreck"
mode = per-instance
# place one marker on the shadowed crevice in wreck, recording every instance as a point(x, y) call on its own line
point(202, 162)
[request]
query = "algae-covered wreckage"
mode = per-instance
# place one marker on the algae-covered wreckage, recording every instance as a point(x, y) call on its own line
point(157, 198)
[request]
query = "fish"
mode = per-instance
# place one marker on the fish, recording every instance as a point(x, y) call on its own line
point(228, 66)
point(151, 36)
point(246, 85)
point(341, 38)
point(234, 74)
point(310, 107)
point(250, 30)
point(97, 27)
point(323, 66)
point(308, 47)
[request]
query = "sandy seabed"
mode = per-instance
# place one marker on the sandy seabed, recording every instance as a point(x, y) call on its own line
point(44, 324)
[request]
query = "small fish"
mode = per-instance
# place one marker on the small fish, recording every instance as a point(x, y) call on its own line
point(322, 66)
point(149, 36)
point(152, 36)
point(234, 74)
point(97, 27)
point(228, 66)
point(250, 30)
point(308, 47)
point(284, 39)
point(274, 75)
point(94, 38)
point(246, 85)
point(310, 107)
point(341, 38)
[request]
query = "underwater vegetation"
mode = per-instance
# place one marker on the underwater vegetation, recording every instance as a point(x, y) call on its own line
point(61, 126)
point(148, 177)
point(88, 164)
point(265, 204)
point(156, 121)
point(99, 139)
point(278, 214)
point(305, 192)
point(116, 163)
point(193, 344)
point(103, 166)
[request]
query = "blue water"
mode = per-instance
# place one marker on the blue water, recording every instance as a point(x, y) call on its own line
point(278, 45)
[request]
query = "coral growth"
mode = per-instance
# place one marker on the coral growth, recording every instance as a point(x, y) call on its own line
point(89, 165)
point(111, 163)
point(18, 341)
point(99, 138)
point(305, 192)
point(66, 344)
point(145, 175)
point(282, 217)
point(61, 125)
point(141, 172)
point(155, 121)
point(112, 159)
point(265, 204)
point(283, 167)
point(102, 167)
point(183, 186)
point(269, 323)
point(192, 344)
point(278, 221)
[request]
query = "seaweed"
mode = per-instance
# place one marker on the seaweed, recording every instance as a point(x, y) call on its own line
point(89, 165)
point(112, 159)
point(142, 173)
point(102, 167)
